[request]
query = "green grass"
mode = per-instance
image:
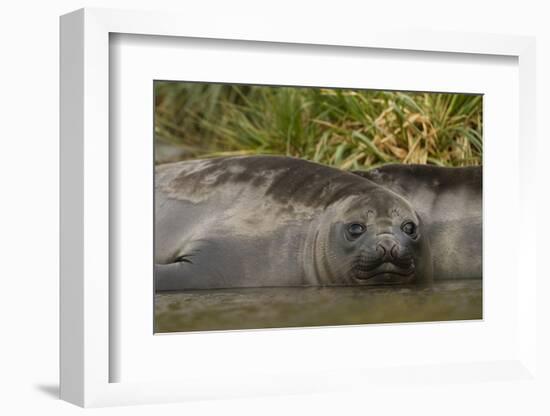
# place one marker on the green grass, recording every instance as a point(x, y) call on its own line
point(349, 129)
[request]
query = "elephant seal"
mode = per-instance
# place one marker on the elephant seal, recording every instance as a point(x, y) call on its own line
point(449, 200)
point(259, 221)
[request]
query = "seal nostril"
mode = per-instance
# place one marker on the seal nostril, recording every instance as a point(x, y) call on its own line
point(394, 251)
point(387, 249)
point(381, 250)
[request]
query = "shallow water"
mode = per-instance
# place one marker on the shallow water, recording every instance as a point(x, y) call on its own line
point(225, 309)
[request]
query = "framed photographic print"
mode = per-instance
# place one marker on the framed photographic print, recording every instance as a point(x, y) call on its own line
point(286, 213)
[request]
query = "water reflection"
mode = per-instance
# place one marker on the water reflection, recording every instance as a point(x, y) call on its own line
point(297, 307)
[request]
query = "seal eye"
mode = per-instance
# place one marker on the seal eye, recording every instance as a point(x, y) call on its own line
point(409, 228)
point(355, 229)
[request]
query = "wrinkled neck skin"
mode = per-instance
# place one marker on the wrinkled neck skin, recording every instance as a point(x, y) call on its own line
point(321, 265)
point(316, 254)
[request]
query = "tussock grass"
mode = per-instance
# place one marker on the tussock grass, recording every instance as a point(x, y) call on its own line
point(349, 129)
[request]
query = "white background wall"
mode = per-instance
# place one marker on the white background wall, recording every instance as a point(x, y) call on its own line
point(29, 58)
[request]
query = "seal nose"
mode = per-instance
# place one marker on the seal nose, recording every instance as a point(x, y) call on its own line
point(388, 249)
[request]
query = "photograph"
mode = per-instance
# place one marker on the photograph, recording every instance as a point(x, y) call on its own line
point(290, 206)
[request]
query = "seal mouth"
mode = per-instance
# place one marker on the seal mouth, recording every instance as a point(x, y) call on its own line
point(384, 273)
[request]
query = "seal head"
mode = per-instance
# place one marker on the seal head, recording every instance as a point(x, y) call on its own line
point(374, 240)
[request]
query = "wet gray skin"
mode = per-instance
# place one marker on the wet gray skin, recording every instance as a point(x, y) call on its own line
point(262, 221)
point(449, 200)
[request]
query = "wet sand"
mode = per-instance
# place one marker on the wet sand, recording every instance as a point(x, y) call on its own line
point(226, 309)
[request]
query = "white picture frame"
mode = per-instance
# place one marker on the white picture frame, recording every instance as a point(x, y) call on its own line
point(87, 302)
